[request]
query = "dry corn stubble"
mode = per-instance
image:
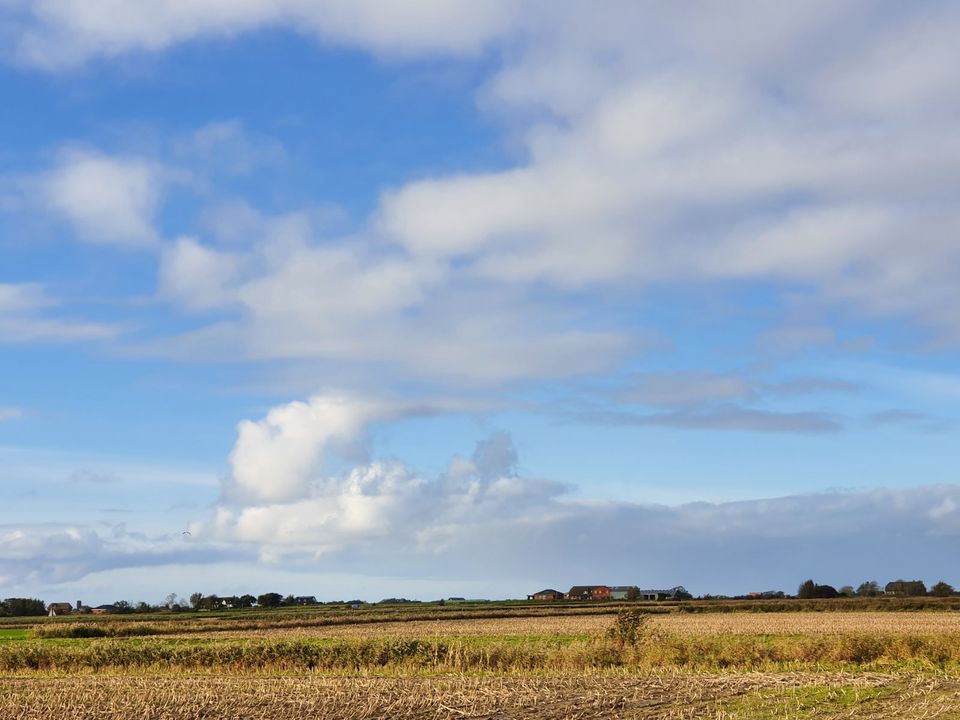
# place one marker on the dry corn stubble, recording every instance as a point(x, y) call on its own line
point(317, 698)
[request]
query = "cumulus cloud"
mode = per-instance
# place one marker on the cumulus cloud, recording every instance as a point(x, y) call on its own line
point(482, 520)
point(278, 458)
point(282, 495)
point(481, 516)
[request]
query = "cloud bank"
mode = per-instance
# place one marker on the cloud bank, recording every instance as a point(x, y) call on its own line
point(481, 516)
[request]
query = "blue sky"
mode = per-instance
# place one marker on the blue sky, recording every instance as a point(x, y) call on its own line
point(467, 298)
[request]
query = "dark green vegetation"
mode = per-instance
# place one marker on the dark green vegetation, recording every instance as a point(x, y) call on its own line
point(22, 607)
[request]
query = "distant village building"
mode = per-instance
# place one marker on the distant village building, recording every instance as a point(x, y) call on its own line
point(54, 609)
point(589, 592)
point(676, 593)
point(104, 609)
point(905, 588)
point(546, 595)
point(624, 592)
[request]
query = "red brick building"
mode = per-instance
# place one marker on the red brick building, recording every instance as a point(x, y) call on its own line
point(589, 592)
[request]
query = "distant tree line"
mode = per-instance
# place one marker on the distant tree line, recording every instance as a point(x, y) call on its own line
point(22, 607)
point(199, 601)
point(871, 588)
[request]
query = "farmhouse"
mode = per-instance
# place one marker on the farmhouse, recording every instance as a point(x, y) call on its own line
point(104, 609)
point(905, 588)
point(589, 592)
point(546, 595)
point(54, 609)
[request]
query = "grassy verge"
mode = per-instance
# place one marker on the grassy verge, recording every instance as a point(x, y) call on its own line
point(805, 701)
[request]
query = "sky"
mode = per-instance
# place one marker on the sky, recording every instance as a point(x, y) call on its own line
point(441, 298)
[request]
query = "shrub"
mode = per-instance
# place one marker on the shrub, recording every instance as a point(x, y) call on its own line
point(628, 627)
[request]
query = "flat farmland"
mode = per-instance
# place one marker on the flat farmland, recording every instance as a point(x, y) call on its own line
point(496, 662)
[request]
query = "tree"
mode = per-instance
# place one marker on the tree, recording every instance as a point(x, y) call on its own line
point(22, 607)
point(210, 602)
point(942, 589)
point(847, 591)
point(245, 601)
point(269, 600)
point(825, 592)
point(195, 600)
point(170, 600)
point(869, 588)
point(809, 589)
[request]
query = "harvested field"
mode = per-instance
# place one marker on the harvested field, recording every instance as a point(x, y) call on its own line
point(500, 698)
point(798, 623)
point(805, 623)
point(516, 626)
point(490, 666)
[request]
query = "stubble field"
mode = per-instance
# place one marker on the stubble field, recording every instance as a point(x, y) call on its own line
point(489, 661)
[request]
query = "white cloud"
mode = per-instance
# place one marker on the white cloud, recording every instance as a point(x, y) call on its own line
point(109, 200)
point(198, 277)
point(52, 553)
point(480, 517)
point(482, 521)
point(282, 496)
point(25, 317)
point(278, 457)
point(682, 152)
point(290, 293)
point(56, 33)
point(662, 148)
